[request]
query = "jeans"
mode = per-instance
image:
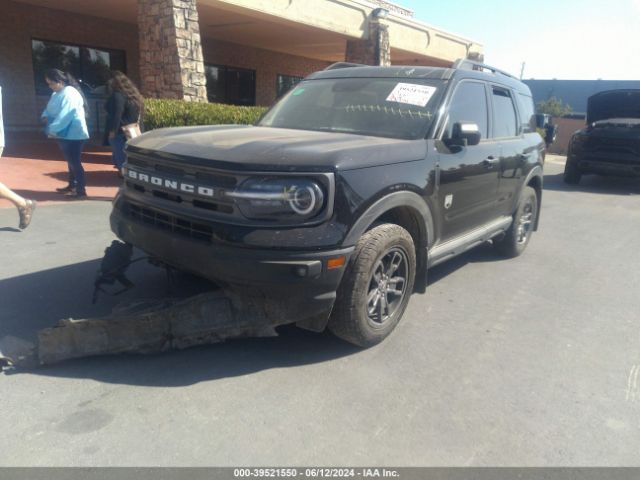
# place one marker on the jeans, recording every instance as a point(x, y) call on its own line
point(117, 145)
point(72, 151)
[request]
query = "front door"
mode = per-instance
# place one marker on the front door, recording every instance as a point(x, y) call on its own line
point(469, 176)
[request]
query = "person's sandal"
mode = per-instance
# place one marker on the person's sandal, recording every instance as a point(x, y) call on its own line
point(26, 213)
point(75, 195)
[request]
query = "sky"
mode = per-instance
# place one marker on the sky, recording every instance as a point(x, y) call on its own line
point(563, 39)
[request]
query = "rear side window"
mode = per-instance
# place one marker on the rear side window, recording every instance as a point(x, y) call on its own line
point(527, 113)
point(504, 114)
point(468, 105)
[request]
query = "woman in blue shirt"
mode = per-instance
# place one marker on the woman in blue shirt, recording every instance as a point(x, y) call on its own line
point(65, 121)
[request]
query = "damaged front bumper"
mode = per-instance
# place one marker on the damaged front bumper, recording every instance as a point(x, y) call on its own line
point(297, 285)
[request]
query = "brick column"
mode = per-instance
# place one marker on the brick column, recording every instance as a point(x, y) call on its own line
point(171, 64)
point(373, 50)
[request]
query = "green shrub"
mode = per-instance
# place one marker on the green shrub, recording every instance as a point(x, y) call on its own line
point(162, 112)
point(553, 107)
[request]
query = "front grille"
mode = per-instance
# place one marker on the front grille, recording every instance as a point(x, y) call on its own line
point(225, 181)
point(215, 179)
point(137, 162)
point(176, 173)
point(168, 223)
point(211, 205)
point(198, 186)
point(615, 145)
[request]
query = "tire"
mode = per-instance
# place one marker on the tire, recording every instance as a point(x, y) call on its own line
point(517, 238)
point(362, 315)
point(572, 173)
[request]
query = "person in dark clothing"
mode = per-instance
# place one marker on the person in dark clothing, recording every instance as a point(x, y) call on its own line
point(124, 106)
point(550, 133)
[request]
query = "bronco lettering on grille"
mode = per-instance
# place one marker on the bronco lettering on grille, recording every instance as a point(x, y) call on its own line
point(171, 184)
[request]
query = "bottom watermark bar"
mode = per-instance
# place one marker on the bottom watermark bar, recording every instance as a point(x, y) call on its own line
point(404, 473)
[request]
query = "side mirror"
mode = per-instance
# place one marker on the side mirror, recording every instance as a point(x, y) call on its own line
point(541, 120)
point(465, 134)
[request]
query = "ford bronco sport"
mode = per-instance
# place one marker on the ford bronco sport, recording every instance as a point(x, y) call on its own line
point(610, 143)
point(334, 205)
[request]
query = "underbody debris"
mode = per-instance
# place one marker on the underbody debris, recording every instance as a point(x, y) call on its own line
point(145, 327)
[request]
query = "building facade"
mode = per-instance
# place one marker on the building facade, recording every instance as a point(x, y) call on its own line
point(243, 52)
point(575, 93)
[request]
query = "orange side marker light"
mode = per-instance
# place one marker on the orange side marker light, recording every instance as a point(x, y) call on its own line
point(336, 262)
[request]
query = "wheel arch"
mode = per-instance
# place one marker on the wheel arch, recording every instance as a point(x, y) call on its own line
point(411, 212)
point(535, 180)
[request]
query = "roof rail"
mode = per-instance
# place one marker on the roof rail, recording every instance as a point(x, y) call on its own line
point(466, 64)
point(337, 65)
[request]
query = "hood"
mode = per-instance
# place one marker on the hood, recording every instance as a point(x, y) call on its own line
point(613, 104)
point(264, 148)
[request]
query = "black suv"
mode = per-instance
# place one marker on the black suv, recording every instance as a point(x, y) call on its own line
point(334, 205)
point(610, 143)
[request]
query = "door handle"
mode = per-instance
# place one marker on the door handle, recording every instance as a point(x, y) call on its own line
point(490, 161)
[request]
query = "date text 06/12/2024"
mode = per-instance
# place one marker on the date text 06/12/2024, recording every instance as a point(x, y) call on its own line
point(314, 473)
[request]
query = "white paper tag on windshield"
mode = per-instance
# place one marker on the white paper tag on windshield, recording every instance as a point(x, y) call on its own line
point(411, 94)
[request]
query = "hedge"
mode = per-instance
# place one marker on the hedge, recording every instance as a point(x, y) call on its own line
point(178, 113)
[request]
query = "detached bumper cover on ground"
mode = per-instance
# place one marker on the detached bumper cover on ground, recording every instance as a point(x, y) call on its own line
point(148, 327)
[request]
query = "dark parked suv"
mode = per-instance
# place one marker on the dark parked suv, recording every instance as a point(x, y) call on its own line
point(334, 205)
point(610, 143)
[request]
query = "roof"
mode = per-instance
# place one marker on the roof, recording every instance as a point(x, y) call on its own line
point(366, 71)
point(575, 92)
point(464, 70)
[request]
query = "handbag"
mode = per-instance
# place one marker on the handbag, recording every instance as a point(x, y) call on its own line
point(131, 130)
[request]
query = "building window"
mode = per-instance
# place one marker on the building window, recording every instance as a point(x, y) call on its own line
point(230, 85)
point(284, 83)
point(91, 66)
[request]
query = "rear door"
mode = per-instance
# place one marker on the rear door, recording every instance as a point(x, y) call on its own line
point(508, 132)
point(469, 175)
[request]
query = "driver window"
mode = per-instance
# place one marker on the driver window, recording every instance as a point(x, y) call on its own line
point(469, 105)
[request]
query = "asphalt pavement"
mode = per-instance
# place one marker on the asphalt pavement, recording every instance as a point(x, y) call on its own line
point(532, 361)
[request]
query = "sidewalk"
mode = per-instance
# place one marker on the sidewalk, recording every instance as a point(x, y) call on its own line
point(34, 167)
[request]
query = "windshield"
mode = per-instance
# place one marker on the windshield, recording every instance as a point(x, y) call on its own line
point(381, 107)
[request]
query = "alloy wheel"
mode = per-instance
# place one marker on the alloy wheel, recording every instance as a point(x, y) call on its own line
point(387, 286)
point(525, 222)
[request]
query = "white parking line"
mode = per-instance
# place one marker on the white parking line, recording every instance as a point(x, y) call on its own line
point(632, 384)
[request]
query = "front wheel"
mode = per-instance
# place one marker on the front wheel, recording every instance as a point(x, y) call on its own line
point(572, 173)
point(376, 287)
point(517, 237)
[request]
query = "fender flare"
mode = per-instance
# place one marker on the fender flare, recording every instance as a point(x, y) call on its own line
point(425, 224)
point(536, 171)
point(389, 202)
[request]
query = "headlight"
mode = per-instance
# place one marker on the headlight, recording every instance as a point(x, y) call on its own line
point(279, 198)
point(578, 140)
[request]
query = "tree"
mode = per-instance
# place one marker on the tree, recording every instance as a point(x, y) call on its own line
point(554, 107)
